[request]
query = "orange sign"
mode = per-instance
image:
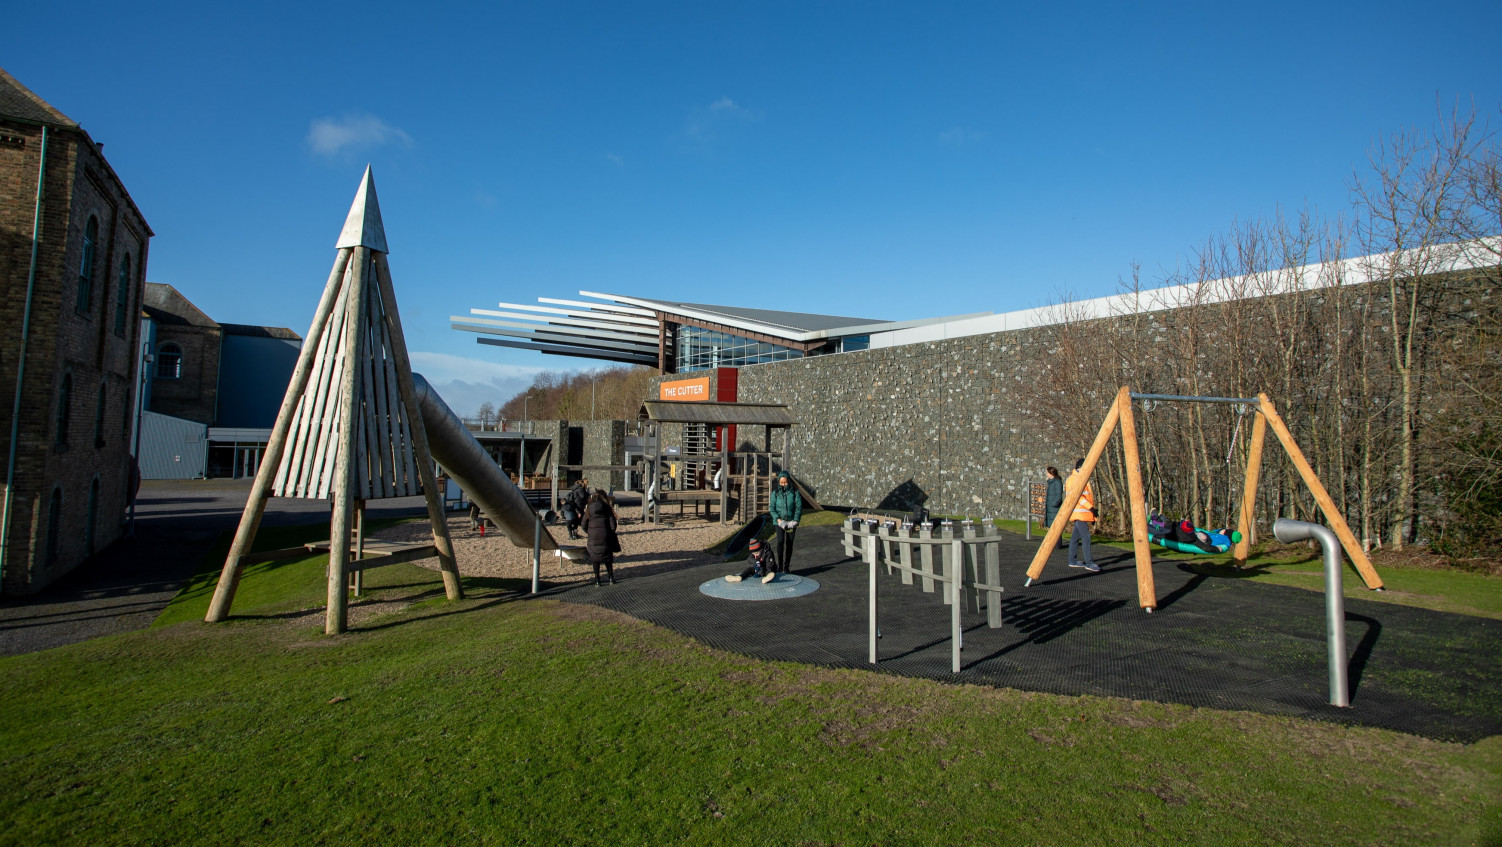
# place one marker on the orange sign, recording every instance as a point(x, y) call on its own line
point(685, 389)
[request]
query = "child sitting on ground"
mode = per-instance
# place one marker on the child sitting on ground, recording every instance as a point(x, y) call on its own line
point(761, 563)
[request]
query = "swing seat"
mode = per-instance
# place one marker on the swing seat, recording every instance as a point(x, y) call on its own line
point(1220, 541)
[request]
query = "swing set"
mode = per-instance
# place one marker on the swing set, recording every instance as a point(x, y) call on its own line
point(1267, 415)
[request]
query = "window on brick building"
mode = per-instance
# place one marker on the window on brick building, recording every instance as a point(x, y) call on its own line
point(99, 416)
point(169, 361)
point(54, 525)
point(64, 409)
point(86, 266)
point(92, 519)
point(122, 296)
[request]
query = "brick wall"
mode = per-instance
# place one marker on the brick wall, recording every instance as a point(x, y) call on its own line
point(65, 343)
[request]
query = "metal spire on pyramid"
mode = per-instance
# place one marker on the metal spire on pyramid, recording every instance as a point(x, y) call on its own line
point(349, 427)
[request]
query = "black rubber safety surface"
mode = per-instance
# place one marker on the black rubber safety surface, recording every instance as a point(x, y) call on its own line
point(1221, 643)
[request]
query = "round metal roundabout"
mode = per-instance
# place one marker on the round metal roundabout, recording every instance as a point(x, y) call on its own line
point(751, 588)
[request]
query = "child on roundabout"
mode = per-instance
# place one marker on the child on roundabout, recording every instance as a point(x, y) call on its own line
point(761, 563)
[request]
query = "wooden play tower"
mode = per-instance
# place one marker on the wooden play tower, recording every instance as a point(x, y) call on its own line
point(349, 427)
point(1267, 416)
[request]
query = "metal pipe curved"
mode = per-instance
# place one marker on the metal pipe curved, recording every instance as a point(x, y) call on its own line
point(1288, 531)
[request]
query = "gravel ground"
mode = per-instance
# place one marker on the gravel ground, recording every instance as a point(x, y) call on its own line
point(645, 548)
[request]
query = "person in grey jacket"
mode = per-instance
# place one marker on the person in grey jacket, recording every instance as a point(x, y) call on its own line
point(1053, 499)
point(786, 507)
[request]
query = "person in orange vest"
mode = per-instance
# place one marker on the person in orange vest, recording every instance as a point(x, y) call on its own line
point(1084, 521)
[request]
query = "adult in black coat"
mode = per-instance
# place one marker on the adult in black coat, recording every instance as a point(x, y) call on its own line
point(599, 530)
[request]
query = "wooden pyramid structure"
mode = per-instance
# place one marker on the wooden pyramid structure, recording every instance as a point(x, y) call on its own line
point(349, 427)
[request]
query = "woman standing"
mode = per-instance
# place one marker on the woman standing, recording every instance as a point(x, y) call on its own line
point(601, 543)
point(1054, 498)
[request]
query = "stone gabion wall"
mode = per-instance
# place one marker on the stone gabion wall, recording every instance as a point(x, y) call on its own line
point(604, 444)
point(940, 423)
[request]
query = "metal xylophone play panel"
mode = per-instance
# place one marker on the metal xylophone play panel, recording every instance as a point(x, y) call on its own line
point(964, 560)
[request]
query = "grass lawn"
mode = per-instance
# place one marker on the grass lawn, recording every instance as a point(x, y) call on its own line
point(500, 720)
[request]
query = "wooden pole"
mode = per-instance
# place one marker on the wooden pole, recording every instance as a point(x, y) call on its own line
point(436, 515)
point(359, 545)
point(1321, 496)
point(349, 431)
point(255, 506)
point(1147, 592)
point(724, 472)
point(1072, 491)
point(1249, 493)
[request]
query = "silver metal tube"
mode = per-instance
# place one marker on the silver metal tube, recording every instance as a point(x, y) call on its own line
point(472, 468)
point(869, 542)
point(537, 556)
point(956, 581)
point(1288, 531)
point(15, 410)
point(1183, 398)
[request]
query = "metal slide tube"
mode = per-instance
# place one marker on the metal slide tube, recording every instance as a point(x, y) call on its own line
point(1288, 531)
point(467, 462)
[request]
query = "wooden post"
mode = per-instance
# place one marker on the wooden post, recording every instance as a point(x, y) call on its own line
point(255, 506)
point(359, 545)
point(993, 575)
point(724, 472)
point(1072, 492)
point(344, 461)
point(905, 554)
point(1249, 493)
point(1147, 592)
point(436, 514)
point(926, 558)
point(1321, 496)
point(948, 566)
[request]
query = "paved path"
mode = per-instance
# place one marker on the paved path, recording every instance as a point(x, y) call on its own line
point(1222, 643)
point(127, 585)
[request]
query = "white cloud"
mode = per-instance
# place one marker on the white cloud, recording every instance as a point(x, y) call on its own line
point(615, 160)
point(466, 383)
point(331, 136)
point(960, 137)
point(703, 123)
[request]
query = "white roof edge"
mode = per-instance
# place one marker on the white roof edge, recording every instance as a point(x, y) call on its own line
point(1440, 258)
point(892, 326)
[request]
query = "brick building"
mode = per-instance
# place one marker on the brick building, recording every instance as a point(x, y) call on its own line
point(212, 390)
point(72, 262)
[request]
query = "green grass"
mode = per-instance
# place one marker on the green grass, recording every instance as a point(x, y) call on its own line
point(267, 586)
point(1444, 590)
point(498, 720)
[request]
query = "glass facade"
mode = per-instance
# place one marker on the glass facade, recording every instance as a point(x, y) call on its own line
point(702, 349)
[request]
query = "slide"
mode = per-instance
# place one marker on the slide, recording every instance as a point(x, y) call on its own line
point(468, 464)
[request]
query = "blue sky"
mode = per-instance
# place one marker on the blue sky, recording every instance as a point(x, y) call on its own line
point(879, 159)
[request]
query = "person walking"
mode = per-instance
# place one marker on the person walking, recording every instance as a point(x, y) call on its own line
point(1084, 521)
point(1053, 499)
point(573, 507)
point(601, 542)
point(786, 507)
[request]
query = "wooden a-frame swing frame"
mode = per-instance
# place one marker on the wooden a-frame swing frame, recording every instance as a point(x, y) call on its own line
point(1267, 415)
